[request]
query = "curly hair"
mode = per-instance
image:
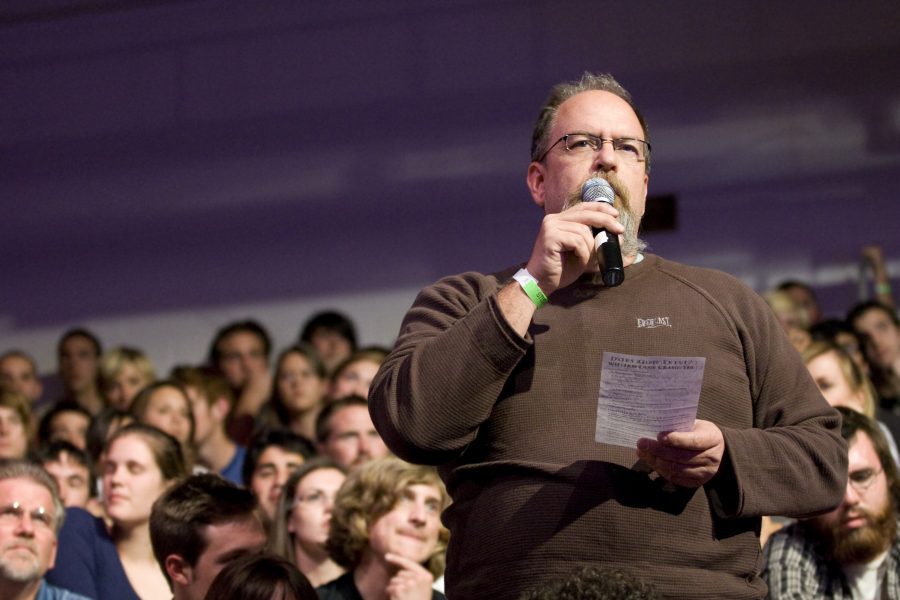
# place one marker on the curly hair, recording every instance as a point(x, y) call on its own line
point(371, 492)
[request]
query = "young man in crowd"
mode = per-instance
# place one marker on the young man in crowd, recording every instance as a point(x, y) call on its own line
point(198, 527)
point(240, 351)
point(273, 454)
point(345, 433)
point(852, 552)
point(211, 402)
point(73, 472)
point(78, 355)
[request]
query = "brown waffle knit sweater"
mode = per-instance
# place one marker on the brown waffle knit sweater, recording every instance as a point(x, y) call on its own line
point(510, 421)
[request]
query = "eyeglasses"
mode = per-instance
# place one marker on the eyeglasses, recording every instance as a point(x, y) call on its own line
point(630, 150)
point(314, 498)
point(863, 479)
point(13, 513)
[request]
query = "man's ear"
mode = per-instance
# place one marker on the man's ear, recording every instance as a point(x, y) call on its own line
point(534, 179)
point(179, 570)
point(220, 408)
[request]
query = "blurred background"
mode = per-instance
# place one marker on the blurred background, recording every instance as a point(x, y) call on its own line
point(168, 166)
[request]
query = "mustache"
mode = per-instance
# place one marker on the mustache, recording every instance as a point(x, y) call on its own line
point(631, 244)
point(622, 200)
point(20, 544)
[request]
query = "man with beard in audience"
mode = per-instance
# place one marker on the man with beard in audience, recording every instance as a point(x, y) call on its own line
point(852, 552)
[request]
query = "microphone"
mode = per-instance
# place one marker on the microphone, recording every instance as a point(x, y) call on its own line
point(599, 190)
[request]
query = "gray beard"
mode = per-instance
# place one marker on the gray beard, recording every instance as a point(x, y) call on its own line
point(630, 243)
point(20, 571)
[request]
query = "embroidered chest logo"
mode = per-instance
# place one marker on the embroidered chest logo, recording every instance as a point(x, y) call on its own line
point(654, 322)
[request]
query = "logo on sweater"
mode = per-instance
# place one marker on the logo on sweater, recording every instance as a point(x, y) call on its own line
point(653, 322)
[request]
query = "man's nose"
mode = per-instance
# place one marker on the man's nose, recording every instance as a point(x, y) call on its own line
point(605, 158)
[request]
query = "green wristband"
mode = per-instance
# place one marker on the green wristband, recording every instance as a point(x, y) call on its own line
point(883, 288)
point(531, 288)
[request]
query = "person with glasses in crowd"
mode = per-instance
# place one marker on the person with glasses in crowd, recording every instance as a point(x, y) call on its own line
point(31, 514)
point(496, 379)
point(852, 552)
point(303, 519)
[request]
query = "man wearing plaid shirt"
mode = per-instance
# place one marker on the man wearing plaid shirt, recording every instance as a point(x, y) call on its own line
point(852, 552)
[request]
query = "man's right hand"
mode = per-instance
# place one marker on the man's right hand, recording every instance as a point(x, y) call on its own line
point(564, 248)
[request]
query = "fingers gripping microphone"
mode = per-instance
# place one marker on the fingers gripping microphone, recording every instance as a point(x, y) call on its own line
point(599, 190)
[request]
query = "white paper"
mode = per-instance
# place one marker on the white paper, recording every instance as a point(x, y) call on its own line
point(641, 396)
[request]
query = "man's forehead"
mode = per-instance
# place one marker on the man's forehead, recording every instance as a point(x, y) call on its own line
point(861, 453)
point(24, 490)
point(243, 531)
point(585, 109)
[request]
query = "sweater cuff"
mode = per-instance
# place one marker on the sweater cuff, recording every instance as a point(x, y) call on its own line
point(723, 490)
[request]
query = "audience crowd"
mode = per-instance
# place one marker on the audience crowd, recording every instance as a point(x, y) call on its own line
point(251, 473)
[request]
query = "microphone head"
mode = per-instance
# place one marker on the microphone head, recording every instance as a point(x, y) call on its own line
point(597, 189)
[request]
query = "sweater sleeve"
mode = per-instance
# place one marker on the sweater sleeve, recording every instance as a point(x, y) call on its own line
point(452, 358)
point(793, 461)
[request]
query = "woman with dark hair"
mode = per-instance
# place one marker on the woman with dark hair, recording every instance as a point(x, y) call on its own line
point(386, 530)
point(300, 382)
point(260, 577)
point(111, 562)
point(303, 519)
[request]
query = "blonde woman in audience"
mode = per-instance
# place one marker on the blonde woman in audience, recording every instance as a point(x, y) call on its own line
point(303, 519)
point(116, 561)
point(843, 383)
point(123, 373)
point(15, 425)
point(300, 384)
point(792, 316)
point(387, 532)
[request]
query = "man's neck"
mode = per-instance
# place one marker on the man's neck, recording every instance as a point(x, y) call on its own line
point(17, 590)
point(217, 451)
point(316, 564)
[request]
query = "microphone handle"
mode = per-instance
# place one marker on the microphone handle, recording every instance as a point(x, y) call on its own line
point(613, 271)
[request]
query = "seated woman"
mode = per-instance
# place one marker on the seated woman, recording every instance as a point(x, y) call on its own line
point(112, 562)
point(303, 519)
point(386, 530)
point(123, 373)
point(261, 577)
point(843, 383)
point(17, 423)
point(299, 387)
point(166, 406)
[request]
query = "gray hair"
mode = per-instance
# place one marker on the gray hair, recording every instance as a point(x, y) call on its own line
point(22, 469)
point(561, 92)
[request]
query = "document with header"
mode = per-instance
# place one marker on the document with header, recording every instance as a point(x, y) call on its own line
point(641, 396)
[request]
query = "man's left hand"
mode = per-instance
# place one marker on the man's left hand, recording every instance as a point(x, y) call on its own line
point(686, 458)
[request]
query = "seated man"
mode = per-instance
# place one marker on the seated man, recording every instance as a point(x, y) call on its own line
point(854, 550)
point(199, 526)
point(30, 517)
point(346, 435)
point(211, 402)
point(386, 531)
point(73, 472)
point(66, 421)
point(272, 456)
point(240, 352)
